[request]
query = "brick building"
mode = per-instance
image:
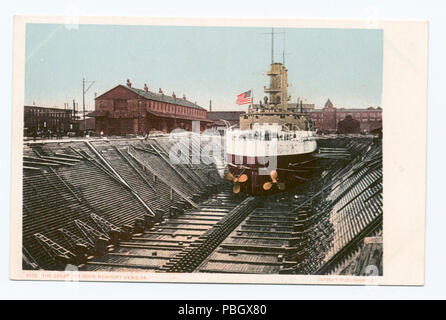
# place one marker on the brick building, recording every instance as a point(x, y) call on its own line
point(43, 120)
point(86, 125)
point(127, 110)
point(219, 117)
point(327, 119)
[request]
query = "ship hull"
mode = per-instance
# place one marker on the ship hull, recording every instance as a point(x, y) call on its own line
point(292, 169)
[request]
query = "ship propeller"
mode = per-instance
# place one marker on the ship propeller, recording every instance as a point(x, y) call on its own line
point(236, 180)
point(274, 181)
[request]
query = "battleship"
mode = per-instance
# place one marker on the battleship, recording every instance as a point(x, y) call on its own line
point(273, 148)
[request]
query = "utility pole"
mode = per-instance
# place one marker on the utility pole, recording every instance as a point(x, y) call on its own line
point(74, 110)
point(84, 91)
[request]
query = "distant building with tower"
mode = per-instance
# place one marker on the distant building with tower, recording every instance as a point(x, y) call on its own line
point(328, 118)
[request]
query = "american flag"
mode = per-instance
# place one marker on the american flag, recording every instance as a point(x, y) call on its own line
point(244, 98)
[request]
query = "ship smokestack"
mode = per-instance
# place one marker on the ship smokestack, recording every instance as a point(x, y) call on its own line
point(210, 105)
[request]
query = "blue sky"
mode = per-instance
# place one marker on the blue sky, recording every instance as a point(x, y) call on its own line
point(204, 63)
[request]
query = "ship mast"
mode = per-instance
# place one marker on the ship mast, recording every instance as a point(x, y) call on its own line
point(278, 89)
point(283, 53)
point(272, 45)
point(275, 110)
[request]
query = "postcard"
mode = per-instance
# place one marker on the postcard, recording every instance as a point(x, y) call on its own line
point(280, 151)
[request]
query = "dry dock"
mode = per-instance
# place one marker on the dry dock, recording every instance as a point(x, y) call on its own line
point(121, 205)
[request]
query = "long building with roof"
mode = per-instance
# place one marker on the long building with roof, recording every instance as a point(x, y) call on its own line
point(44, 120)
point(126, 110)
